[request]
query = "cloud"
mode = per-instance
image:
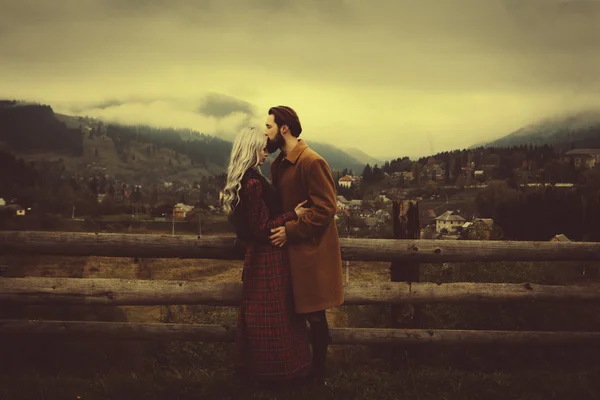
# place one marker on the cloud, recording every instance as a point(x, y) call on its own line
point(168, 115)
point(381, 75)
point(219, 105)
point(221, 115)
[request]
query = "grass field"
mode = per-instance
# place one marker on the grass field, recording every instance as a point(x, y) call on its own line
point(174, 370)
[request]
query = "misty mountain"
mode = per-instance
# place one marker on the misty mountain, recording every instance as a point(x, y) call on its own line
point(578, 130)
point(136, 151)
point(337, 158)
point(362, 156)
point(200, 147)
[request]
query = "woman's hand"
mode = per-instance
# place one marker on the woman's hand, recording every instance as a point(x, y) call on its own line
point(300, 210)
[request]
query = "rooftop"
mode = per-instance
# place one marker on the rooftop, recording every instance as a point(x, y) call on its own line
point(584, 152)
point(449, 216)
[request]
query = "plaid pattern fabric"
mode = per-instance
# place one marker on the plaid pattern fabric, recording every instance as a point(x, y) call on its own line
point(272, 340)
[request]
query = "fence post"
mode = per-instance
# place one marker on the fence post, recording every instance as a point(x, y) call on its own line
point(406, 226)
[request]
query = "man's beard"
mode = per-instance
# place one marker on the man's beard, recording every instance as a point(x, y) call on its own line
point(275, 144)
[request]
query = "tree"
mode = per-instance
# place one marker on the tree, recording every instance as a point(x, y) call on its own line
point(431, 188)
point(457, 170)
point(481, 230)
point(136, 196)
point(416, 170)
point(367, 174)
point(377, 174)
point(496, 193)
point(447, 170)
point(401, 180)
point(93, 186)
point(154, 197)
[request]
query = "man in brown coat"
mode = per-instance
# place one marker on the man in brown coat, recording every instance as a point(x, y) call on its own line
point(299, 174)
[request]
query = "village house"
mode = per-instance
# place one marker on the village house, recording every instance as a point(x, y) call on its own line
point(434, 172)
point(559, 238)
point(484, 227)
point(355, 204)
point(347, 181)
point(449, 221)
point(180, 210)
point(18, 210)
point(11, 209)
point(342, 203)
point(583, 158)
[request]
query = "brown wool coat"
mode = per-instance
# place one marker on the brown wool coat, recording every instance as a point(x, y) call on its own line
point(313, 241)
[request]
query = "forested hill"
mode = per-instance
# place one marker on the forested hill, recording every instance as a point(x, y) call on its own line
point(200, 148)
point(33, 127)
point(577, 130)
point(27, 128)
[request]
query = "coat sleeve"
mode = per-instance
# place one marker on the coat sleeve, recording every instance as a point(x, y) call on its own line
point(322, 197)
point(257, 212)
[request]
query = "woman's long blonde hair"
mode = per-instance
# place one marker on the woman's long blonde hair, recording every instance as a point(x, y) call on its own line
point(245, 154)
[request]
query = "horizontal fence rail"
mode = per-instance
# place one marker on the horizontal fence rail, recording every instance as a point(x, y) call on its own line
point(402, 252)
point(343, 336)
point(227, 248)
point(131, 292)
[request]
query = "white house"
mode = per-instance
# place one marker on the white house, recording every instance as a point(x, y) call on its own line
point(346, 181)
point(355, 204)
point(342, 203)
point(449, 221)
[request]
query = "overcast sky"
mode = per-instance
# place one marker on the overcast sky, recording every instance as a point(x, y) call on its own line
point(392, 78)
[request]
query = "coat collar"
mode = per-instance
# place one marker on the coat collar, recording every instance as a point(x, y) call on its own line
point(293, 155)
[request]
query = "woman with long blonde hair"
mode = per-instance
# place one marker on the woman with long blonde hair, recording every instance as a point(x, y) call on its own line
point(272, 340)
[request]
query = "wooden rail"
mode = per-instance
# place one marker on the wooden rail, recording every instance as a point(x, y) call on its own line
point(128, 292)
point(121, 292)
point(87, 330)
point(226, 248)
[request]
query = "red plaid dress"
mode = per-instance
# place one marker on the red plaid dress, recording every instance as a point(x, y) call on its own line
point(272, 340)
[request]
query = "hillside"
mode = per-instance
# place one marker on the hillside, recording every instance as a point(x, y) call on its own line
point(25, 127)
point(141, 158)
point(577, 130)
point(140, 154)
point(337, 158)
point(362, 157)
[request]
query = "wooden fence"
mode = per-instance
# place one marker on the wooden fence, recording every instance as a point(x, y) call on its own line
point(123, 292)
